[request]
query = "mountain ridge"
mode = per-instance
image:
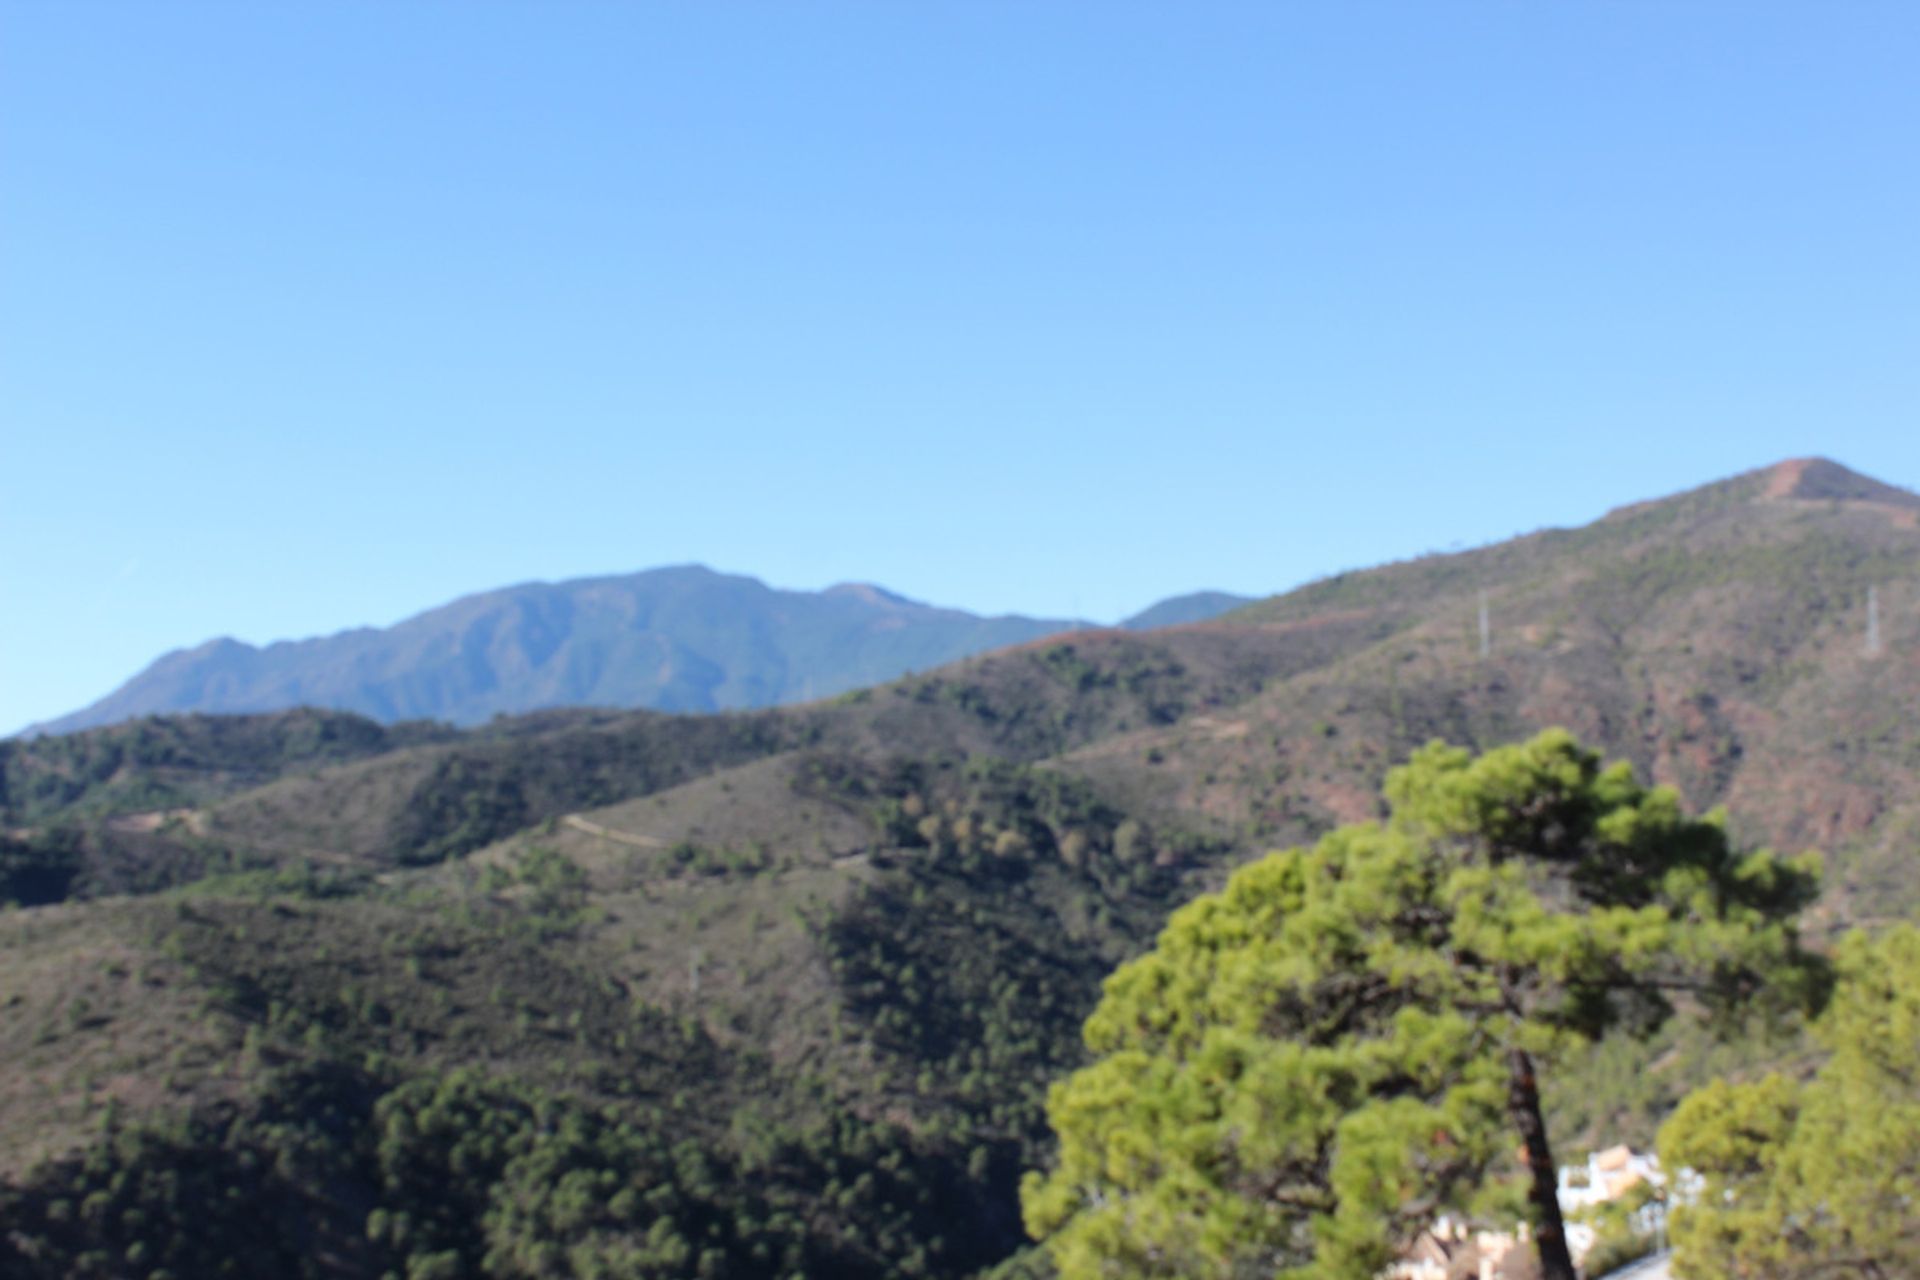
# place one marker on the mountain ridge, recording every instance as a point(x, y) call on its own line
point(676, 638)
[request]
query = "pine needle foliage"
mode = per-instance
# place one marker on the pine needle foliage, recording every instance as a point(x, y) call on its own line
point(1344, 1042)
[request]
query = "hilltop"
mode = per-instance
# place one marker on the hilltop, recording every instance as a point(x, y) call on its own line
point(842, 940)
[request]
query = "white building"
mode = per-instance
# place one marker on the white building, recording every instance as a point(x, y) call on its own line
point(1606, 1176)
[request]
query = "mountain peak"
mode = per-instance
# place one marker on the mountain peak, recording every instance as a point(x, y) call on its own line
point(1823, 480)
point(1794, 480)
point(869, 593)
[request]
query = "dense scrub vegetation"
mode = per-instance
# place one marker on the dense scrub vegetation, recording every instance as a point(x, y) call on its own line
point(1006, 895)
point(480, 792)
point(167, 762)
point(325, 1169)
point(606, 1134)
point(433, 1088)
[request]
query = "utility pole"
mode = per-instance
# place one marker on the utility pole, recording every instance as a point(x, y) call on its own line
point(1873, 622)
point(1486, 632)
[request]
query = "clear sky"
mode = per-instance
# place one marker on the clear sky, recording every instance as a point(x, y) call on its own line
point(315, 315)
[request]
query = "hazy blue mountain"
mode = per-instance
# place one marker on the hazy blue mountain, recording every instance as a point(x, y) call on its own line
point(676, 639)
point(1198, 606)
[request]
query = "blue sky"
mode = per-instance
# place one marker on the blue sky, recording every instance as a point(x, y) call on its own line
point(317, 315)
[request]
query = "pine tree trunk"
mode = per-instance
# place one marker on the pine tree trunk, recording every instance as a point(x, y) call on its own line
point(1550, 1232)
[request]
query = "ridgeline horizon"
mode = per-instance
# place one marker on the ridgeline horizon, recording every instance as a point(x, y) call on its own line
point(690, 638)
point(681, 637)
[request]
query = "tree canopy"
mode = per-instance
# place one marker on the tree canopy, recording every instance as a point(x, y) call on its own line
point(1343, 1042)
point(1821, 1178)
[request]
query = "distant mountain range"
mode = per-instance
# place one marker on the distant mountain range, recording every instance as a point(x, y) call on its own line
point(684, 638)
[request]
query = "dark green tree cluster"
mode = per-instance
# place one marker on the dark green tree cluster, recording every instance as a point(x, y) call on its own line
point(1002, 897)
point(325, 1171)
point(39, 867)
point(484, 1178)
point(272, 1187)
point(1005, 894)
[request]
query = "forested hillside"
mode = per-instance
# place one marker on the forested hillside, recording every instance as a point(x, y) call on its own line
point(778, 993)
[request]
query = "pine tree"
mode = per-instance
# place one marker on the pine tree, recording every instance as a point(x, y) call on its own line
point(1819, 1179)
point(1315, 1061)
